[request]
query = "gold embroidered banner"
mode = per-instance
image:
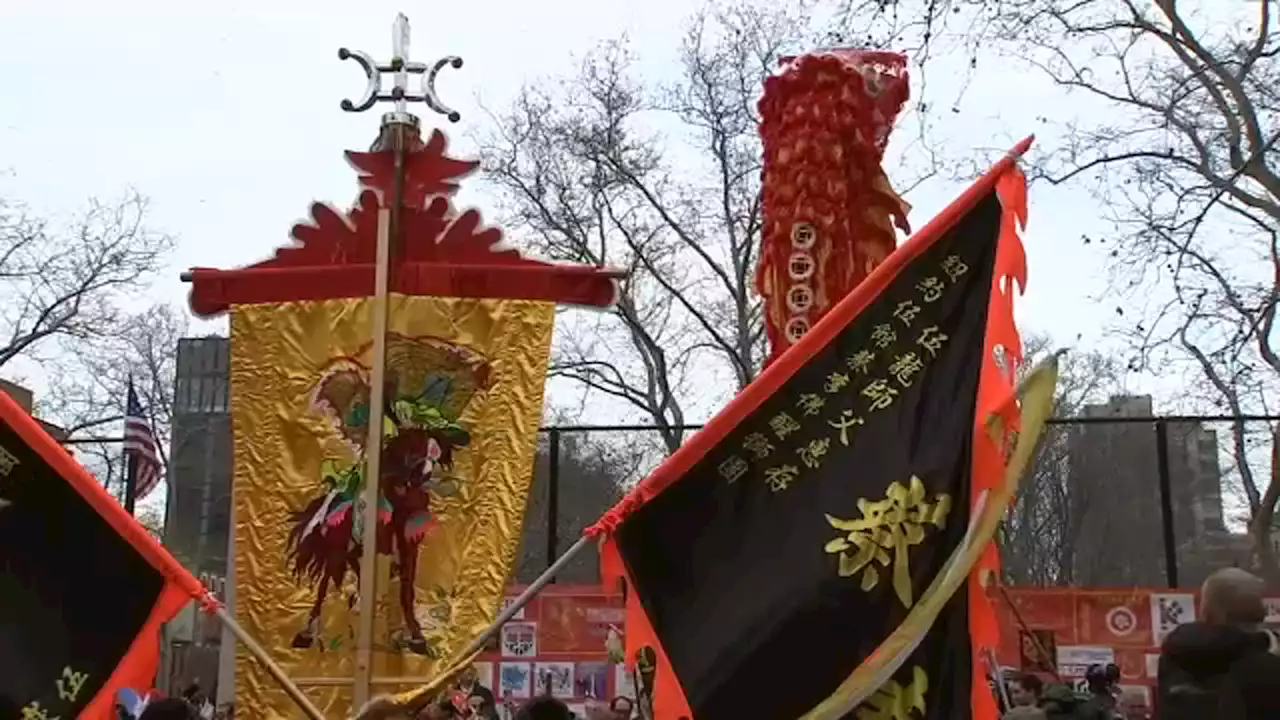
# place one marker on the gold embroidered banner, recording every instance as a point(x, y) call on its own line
point(464, 399)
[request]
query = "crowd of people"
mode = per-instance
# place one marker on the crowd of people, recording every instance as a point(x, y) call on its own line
point(1223, 667)
point(465, 699)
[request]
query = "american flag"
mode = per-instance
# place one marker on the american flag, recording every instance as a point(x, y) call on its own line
point(140, 446)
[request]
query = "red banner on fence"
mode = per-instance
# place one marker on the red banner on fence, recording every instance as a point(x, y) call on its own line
point(558, 640)
point(1079, 627)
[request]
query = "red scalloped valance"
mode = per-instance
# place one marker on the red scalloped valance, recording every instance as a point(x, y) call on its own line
point(444, 252)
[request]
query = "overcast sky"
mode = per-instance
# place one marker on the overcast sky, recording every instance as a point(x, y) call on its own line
point(226, 115)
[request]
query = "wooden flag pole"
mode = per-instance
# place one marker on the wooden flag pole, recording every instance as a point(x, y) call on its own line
point(997, 678)
point(260, 654)
point(397, 129)
point(373, 468)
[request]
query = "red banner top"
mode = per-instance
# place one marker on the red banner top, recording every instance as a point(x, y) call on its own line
point(444, 252)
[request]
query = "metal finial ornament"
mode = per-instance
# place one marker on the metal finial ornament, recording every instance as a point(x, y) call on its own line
point(402, 68)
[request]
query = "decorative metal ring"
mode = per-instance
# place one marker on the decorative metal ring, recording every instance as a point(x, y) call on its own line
point(429, 95)
point(801, 266)
point(796, 328)
point(799, 299)
point(373, 80)
point(803, 235)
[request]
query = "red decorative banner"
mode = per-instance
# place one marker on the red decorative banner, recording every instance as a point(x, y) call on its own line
point(1113, 618)
point(558, 641)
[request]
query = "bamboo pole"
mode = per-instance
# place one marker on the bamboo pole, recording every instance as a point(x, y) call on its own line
point(1041, 650)
point(997, 678)
point(373, 467)
point(261, 656)
point(529, 593)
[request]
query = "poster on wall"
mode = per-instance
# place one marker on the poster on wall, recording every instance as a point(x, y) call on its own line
point(592, 680)
point(575, 625)
point(1168, 611)
point(515, 680)
point(1074, 660)
point(1113, 618)
point(555, 679)
point(519, 640)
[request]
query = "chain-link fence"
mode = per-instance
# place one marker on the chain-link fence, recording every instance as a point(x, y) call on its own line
point(1112, 500)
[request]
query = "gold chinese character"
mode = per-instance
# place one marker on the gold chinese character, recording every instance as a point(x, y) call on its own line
point(7, 462)
point(931, 339)
point(954, 267)
point(895, 702)
point(35, 712)
point(883, 335)
point(881, 394)
point(733, 468)
point(810, 404)
point(860, 361)
point(783, 425)
point(811, 454)
point(780, 478)
point(931, 289)
point(905, 367)
point(895, 523)
point(758, 445)
point(836, 382)
point(906, 312)
point(70, 684)
point(846, 421)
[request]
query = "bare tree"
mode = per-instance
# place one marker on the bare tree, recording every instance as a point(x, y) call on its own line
point(1040, 537)
point(1185, 171)
point(63, 281)
point(591, 473)
point(584, 178)
point(1178, 147)
point(88, 396)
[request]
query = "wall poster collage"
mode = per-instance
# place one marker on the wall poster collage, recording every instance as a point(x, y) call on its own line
point(1060, 632)
point(556, 645)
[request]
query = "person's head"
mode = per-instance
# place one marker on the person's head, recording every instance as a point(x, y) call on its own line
point(169, 709)
point(468, 676)
point(1024, 689)
point(621, 707)
point(1232, 596)
point(544, 708)
point(1102, 678)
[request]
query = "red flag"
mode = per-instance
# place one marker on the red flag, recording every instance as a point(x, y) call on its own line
point(84, 588)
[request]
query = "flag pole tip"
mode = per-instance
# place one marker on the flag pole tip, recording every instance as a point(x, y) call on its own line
point(1052, 361)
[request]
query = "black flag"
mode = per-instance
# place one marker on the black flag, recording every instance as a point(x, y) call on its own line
point(776, 551)
point(83, 587)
